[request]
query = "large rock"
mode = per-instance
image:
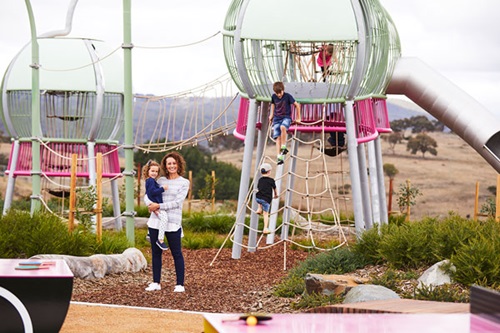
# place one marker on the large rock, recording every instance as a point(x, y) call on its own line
point(98, 265)
point(369, 292)
point(435, 275)
point(331, 284)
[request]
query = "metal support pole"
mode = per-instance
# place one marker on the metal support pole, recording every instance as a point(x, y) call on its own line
point(129, 148)
point(384, 217)
point(35, 115)
point(245, 180)
point(9, 193)
point(115, 195)
point(365, 186)
point(374, 186)
point(352, 147)
point(261, 142)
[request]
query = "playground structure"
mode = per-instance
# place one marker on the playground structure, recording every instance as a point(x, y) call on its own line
point(347, 98)
point(81, 112)
point(350, 98)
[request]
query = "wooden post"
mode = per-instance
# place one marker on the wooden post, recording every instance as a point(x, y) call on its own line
point(213, 191)
point(391, 191)
point(72, 194)
point(497, 202)
point(190, 193)
point(139, 175)
point(408, 185)
point(476, 202)
point(98, 209)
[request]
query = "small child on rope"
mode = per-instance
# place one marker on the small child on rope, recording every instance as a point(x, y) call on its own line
point(154, 192)
point(281, 117)
point(264, 196)
point(325, 59)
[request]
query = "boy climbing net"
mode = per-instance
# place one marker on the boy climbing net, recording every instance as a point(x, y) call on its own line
point(264, 196)
point(281, 118)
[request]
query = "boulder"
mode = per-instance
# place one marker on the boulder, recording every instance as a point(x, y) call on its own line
point(98, 265)
point(369, 292)
point(435, 275)
point(331, 284)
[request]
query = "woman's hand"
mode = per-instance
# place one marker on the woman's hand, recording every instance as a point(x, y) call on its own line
point(153, 207)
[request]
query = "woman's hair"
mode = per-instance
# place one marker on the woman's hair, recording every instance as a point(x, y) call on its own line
point(181, 163)
point(145, 169)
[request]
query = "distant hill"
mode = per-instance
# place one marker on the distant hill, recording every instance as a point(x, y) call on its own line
point(398, 109)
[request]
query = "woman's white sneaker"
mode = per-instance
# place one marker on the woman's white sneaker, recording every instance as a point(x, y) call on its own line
point(153, 286)
point(179, 289)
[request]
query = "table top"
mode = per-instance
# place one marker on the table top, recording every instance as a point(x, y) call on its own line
point(47, 268)
point(355, 323)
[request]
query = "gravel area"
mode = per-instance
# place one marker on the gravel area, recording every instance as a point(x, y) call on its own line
point(229, 285)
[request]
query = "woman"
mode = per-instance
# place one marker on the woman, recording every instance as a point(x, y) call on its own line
point(173, 167)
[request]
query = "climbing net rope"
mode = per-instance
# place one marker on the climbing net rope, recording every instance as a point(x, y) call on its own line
point(318, 185)
point(186, 118)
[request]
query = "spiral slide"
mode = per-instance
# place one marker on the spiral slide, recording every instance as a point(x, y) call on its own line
point(476, 125)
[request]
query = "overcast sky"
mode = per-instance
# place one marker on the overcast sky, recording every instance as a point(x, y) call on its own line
point(458, 38)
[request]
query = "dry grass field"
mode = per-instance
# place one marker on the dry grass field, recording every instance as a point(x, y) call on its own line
point(447, 181)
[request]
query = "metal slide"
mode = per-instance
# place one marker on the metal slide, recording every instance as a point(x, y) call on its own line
point(465, 116)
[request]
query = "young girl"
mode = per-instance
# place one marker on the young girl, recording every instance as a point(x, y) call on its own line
point(154, 192)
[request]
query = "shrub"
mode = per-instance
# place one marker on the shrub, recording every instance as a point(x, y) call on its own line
point(309, 301)
point(142, 211)
point(443, 293)
point(478, 261)
point(367, 245)
point(332, 262)
point(408, 246)
point(204, 240)
point(23, 236)
point(200, 222)
point(451, 234)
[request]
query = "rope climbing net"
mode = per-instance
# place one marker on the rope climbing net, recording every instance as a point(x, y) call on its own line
point(315, 189)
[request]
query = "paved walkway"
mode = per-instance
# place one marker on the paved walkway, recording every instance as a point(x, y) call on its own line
point(99, 318)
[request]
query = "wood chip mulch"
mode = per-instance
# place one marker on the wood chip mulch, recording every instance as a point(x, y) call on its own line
point(229, 285)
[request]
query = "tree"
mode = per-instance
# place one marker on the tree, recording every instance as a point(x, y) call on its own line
point(422, 143)
point(393, 139)
point(202, 163)
point(391, 172)
point(421, 124)
point(407, 197)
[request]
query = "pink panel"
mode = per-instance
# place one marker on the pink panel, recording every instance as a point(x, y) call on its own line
point(55, 268)
point(381, 115)
point(55, 159)
point(365, 124)
point(241, 125)
point(356, 323)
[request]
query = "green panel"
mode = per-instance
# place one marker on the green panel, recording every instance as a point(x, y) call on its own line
point(312, 20)
point(66, 66)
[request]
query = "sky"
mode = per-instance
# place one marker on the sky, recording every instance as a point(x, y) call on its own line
point(458, 38)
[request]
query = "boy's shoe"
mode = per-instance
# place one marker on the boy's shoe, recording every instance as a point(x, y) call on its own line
point(281, 159)
point(153, 286)
point(179, 289)
point(162, 245)
point(284, 151)
point(266, 231)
